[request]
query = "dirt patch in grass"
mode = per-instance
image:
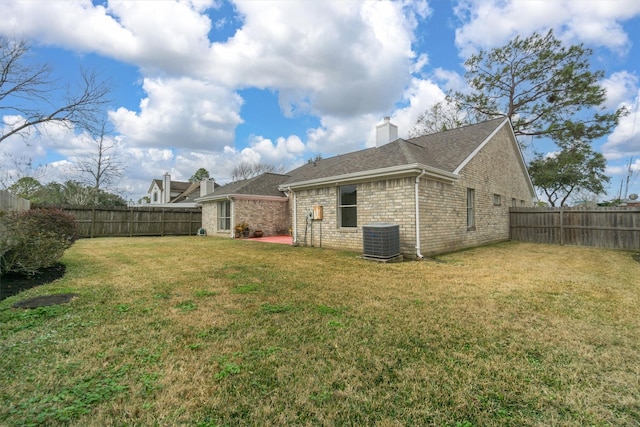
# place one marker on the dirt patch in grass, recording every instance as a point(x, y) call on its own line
point(45, 300)
point(13, 283)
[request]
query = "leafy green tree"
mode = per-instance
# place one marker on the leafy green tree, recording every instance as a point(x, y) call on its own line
point(26, 187)
point(545, 88)
point(51, 194)
point(541, 86)
point(110, 199)
point(199, 175)
point(574, 169)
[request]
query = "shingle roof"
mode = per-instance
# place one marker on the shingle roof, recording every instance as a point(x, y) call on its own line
point(445, 151)
point(193, 187)
point(261, 185)
point(180, 185)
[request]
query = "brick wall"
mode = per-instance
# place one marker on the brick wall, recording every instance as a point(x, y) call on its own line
point(210, 219)
point(267, 215)
point(270, 216)
point(389, 201)
point(495, 170)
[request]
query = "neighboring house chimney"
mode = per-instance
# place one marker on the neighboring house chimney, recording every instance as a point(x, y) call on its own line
point(166, 188)
point(207, 186)
point(386, 132)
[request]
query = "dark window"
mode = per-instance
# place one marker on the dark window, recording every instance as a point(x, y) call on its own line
point(471, 203)
point(348, 206)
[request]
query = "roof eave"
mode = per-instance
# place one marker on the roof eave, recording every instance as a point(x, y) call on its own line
point(216, 197)
point(383, 173)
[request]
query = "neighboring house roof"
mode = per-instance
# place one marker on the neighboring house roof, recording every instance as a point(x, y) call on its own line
point(192, 188)
point(157, 182)
point(175, 185)
point(265, 185)
point(181, 186)
point(441, 154)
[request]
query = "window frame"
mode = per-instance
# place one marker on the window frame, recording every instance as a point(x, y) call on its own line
point(497, 200)
point(223, 216)
point(471, 207)
point(344, 206)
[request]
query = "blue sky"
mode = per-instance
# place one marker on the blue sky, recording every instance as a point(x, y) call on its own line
point(212, 83)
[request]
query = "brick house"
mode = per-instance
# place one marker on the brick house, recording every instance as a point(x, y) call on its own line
point(256, 201)
point(445, 191)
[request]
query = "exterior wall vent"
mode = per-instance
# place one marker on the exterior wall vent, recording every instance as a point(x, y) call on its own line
point(381, 240)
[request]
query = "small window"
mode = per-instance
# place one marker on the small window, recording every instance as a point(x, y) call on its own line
point(497, 200)
point(513, 203)
point(521, 202)
point(224, 215)
point(471, 202)
point(348, 206)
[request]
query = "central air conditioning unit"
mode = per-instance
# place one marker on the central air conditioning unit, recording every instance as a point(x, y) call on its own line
point(381, 240)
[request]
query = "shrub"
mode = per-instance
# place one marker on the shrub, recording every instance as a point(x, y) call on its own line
point(34, 239)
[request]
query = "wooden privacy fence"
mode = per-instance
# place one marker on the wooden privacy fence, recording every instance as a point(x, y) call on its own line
point(116, 222)
point(9, 202)
point(606, 227)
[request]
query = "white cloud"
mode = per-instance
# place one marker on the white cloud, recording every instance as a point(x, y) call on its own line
point(624, 141)
point(184, 113)
point(595, 23)
point(619, 86)
point(172, 37)
point(284, 149)
point(358, 61)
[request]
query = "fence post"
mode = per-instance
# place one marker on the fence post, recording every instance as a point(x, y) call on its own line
point(561, 226)
point(93, 221)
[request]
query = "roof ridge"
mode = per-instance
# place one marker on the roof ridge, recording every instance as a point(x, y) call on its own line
point(408, 155)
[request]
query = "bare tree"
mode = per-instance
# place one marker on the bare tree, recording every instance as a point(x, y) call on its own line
point(102, 168)
point(77, 194)
point(13, 168)
point(246, 170)
point(26, 91)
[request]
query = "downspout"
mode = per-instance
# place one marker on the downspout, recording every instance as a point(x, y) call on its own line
point(417, 188)
point(294, 228)
point(233, 211)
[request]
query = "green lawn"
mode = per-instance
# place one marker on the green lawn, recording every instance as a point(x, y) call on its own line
point(200, 331)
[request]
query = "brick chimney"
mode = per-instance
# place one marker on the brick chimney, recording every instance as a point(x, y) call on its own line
point(166, 188)
point(207, 186)
point(386, 132)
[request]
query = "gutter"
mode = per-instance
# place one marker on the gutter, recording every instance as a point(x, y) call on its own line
point(294, 228)
point(390, 172)
point(417, 188)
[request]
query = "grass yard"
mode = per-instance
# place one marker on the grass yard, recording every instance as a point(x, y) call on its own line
point(213, 332)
